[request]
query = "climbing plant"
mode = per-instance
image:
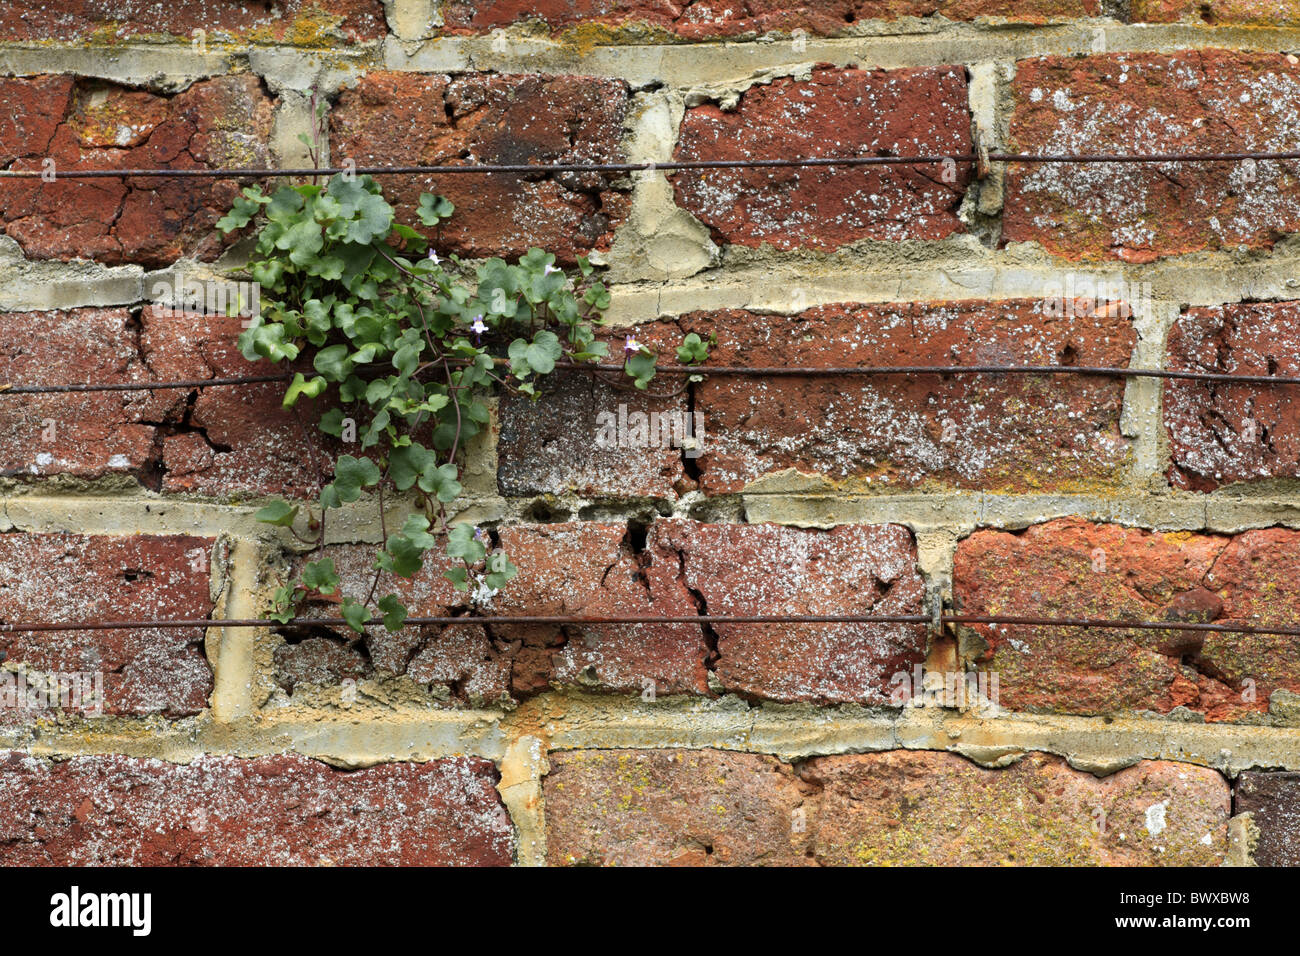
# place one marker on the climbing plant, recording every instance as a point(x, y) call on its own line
point(414, 344)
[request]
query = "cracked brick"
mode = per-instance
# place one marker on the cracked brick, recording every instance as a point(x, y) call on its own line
point(393, 118)
point(1074, 569)
point(282, 810)
point(221, 122)
point(293, 22)
point(1221, 433)
point(696, 19)
point(1199, 101)
point(834, 113)
point(77, 578)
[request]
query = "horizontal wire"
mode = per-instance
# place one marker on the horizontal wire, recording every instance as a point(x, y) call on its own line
point(44, 626)
point(761, 371)
point(673, 165)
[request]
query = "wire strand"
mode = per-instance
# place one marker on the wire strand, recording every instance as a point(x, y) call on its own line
point(759, 371)
point(711, 619)
point(668, 166)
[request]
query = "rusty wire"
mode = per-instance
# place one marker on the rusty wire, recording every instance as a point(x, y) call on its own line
point(701, 619)
point(756, 371)
point(669, 166)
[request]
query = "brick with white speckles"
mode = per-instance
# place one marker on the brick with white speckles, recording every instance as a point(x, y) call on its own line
point(281, 810)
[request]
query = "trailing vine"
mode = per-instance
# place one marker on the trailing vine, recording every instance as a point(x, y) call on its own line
point(412, 343)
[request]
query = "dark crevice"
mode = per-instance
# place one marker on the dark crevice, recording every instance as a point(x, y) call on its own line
point(691, 462)
point(713, 654)
point(634, 545)
point(154, 469)
point(543, 512)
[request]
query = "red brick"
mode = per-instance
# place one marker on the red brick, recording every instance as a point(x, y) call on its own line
point(767, 569)
point(1070, 568)
point(596, 569)
point(297, 22)
point(1273, 801)
point(707, 807)
point(1207, 101)
point(577, 568)
point(393, 118)
point(910, 808)
point(473, 667)
point(675, 568)
point(550, 446)
point(93, 124)
point(1013, 433)
point(1217, 12)
point(1221, 433)
point(673, 807)
point(222, 441)
point(229, 440)
point(76, 578)
point(270, 811)
point(835, 113)
point(704, 21)
point(87, 434)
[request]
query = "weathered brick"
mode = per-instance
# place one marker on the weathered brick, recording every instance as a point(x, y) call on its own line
point(597, 570)
point(763, 569)
point(684, 807)
point(674, 807)
point(473, 667)
point(221, 441)
point(1273, 801)
point(555, 445)
point(675, 568)
point(912, 808)
point(270, 811)
point(295, 22)
point(835, 112)
point(578, 568)
point(1217, 12)
point(1014, 433)
point(220, 122)
point(229, 440)
point(77, 578)
point(393, 118)
point(1073, 569)
point(85, 434)
point(693, 20)
point(1203, 101)
point(1222, 433)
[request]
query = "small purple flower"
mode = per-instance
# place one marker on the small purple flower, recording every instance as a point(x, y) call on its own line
point(480, 535)
point(478, 327)
point(550, 270)
point(433, 257)
point(631, 345)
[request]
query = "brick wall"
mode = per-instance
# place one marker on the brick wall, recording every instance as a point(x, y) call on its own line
point(1053, 496)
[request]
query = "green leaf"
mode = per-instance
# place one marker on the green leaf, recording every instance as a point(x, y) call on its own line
point(333, 362)
point(353, 474)
point(278, 512)
point(463, 546)
point(693, 349)
point(393, 610)
point(356, 614)
point(303, 240)
point(544, 352)
point(321, 576)
point(301, 386)
point(374, 220)
point(331, 423)
point(239, 216)
point(433, 209)
point(442, 482)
